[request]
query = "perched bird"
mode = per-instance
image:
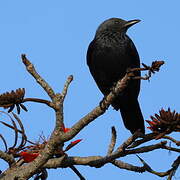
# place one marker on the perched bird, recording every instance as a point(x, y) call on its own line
point(109, 55)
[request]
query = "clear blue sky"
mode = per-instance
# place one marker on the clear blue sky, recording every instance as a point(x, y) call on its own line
point(55, 36)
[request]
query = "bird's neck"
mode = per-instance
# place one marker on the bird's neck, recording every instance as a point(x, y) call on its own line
point(111, 37)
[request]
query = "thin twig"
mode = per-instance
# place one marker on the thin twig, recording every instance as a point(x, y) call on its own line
point(127, 166)
point(113, 141)
point(155, 66)
point(175, 166)
point(170, 173)
point(24, 137)
point(129, 141)
point(14, 128)
point(171, 148)
point(150, 170)
point(4, 141)
point(146, 138)
point(172, 139)
point(50, 104)
point(68, 82)
point(147, 148)
point(75, 170)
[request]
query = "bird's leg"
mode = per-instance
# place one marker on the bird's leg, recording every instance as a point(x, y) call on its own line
point(103, 105)
point(130, 72)
point(112, 89)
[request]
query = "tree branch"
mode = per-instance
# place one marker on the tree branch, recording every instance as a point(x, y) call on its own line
point(45, 158)
point(30, 68)
point(127, 166)
point(6, 157)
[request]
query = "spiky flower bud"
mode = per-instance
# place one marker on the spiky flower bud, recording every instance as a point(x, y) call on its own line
point(12, 99)
point(164, 123)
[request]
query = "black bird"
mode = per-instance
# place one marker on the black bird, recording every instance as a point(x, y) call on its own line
point(109, 56)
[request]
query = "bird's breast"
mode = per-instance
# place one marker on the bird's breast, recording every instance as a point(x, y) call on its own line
point(110, 52)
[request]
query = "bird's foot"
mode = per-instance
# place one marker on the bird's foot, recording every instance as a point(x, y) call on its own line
point(139, 133)
point(113, 89)
point(103, 104)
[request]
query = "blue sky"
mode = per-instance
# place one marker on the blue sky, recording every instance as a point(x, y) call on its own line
point(55, 36)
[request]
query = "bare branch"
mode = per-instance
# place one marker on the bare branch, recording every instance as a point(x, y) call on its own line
point(31, 69)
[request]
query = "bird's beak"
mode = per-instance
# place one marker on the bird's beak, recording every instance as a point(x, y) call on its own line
point(131, 22)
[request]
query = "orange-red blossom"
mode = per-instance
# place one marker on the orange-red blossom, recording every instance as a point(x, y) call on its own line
point(30, 156)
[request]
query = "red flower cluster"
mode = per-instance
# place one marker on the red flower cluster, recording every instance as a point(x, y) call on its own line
point(154, 124)
point(166, 121)
point(28, 156)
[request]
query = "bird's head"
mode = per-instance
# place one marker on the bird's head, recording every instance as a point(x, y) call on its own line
point(116, 25)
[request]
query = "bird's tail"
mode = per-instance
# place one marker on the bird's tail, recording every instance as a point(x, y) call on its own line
point(132, 116)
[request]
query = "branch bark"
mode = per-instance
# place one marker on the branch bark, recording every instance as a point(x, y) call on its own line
point(48, 156)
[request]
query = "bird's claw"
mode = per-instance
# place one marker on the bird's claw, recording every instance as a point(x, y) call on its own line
point(103, 105)
point(113, 89)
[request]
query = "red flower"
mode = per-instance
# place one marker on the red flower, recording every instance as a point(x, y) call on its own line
point(65, 130)
point(73, 143)
point(28, 156)
point(166, 122)
point(76, 141)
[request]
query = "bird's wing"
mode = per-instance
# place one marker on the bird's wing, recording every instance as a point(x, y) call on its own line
point(97, 69)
